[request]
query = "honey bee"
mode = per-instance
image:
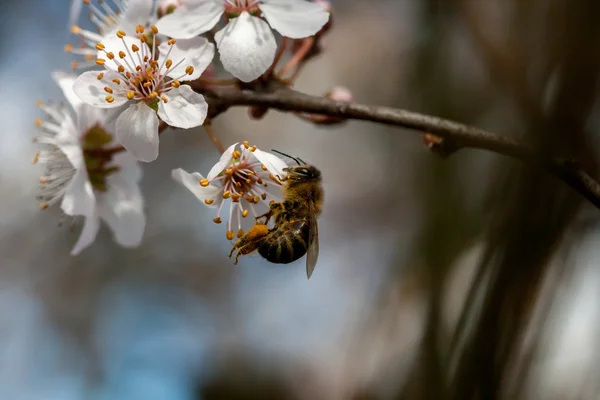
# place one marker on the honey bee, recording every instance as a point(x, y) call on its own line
point(295, 231)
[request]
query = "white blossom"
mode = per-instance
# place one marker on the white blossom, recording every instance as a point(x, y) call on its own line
point(84, 175)
point(124, 15)
point(246, 44)
point(150, 83)
point(241, 182)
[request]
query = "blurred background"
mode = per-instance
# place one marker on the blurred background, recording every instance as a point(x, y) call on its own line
point(471, 277)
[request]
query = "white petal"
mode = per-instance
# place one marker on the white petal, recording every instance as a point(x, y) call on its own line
point(184, 108)
point(122, 207)
point(112, 44)
point(192, 183)
point(91, 90)
point(247, 47)
point(129, 168)
point(79, 196)
point(223, 162)
point(88, 233)
point(137, 131)
point(65, 81)
point(295, 19)
point(197, 52)
point(137, 12)
point(191, 19)
point(274, 164)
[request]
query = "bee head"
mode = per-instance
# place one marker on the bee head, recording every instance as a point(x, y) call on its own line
point(302, 173)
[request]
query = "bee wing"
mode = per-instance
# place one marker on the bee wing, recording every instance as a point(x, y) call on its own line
point(312, 253)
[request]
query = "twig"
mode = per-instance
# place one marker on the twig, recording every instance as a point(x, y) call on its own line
point(213, 136)
point(282, 98)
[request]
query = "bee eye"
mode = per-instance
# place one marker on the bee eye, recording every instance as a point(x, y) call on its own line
point(303, 171)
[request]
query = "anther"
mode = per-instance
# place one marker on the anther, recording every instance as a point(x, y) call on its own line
point(38, 122)
point(139, 29)
point(100, 76)
point(264, 196)
point(189, 70)
point(229, 172)
point(110, 55)
point(35, 158)
point(164, 99)
point(238, 184)
point(240, 233)
point(256, 199)
point(229, 235)
point(204, 182)
point(121, 68)
point(100, 61)
point(110, 99)
point(121, 34)
point(226, 194)
point(68, 48)
point(244, 213)
point(147, 84)
point(154, 29)
point(217, 220)
point(209, 201)
point(153, 95)
point(130, 95)
point(171, 42)
point(99, 47)
point(43, 180)
point(44, 205)
point(168, 63)
point(107, 89)
point(246, 145)
point(236, 154)
point(253, 148)
point(235, 197)
point(121, 54)
point(264, 168)
point(135, 48)
point(75, 30)
point(175, 84)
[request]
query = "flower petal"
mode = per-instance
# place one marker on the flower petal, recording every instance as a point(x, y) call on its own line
point(65, 81)
point(191, 19)
point(184, 108)
point(223, 163)
point(274, 164)
point(137, 12)
point(192, 183)
point(197, 52)
point(247, 47)
point(112, 44)
point(128, 166)
point(79, 196)
point(295, 19)
point(88, 233)
point(91, 90)
point(122, 207)
point(137, 131)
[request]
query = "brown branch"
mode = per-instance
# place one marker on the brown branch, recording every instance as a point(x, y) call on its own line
point(459, 135)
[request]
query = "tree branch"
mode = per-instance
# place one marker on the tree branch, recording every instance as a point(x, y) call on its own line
point(457, 135)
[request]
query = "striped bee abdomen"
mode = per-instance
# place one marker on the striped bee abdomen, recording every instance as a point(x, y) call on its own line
point(287, 243)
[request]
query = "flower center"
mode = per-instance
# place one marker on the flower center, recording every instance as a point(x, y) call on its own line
point(233, 8)
point(96, 157)
point(142, 78)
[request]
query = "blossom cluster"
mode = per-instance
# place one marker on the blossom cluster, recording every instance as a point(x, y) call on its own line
point(142, 68)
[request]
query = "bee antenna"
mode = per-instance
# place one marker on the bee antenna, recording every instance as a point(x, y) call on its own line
point(298, 160)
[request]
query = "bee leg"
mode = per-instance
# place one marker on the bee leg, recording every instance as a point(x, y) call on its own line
point(236, 257)
point(232, 250)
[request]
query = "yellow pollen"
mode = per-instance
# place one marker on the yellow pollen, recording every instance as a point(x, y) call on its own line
point(121, 54)
point(135, 48)
point(100, 61)
point(189, 70)
point(217, 220)
point(110, 99)
point(100, 76)
point(204, 182)
point(153, 95)
point(44, 205)
point(236, 154)
point(227, 194)
point(246, 145)
point(229, 172)
point(229, 235)
point(244, 213)
point(121, 34)
point(248, 181)
point(175, 84)
point(238, 184)
point(253, 149)
point(35, 158)
point(110, 56)
point(99, 47)
point(171, 42)
point(121, 68)
point(235, 197)
point(130, 95)
point(107, 89)
point(139, 29)
point(256, 199)
point(68, 48)
point(263, 167)
point(75, 30)
point(147, 84)
point(209, 201)
point(169, 63)
point(154, 29)
point(117, 81)
point(264, 196)
point(240, 233)
point(39, 122)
